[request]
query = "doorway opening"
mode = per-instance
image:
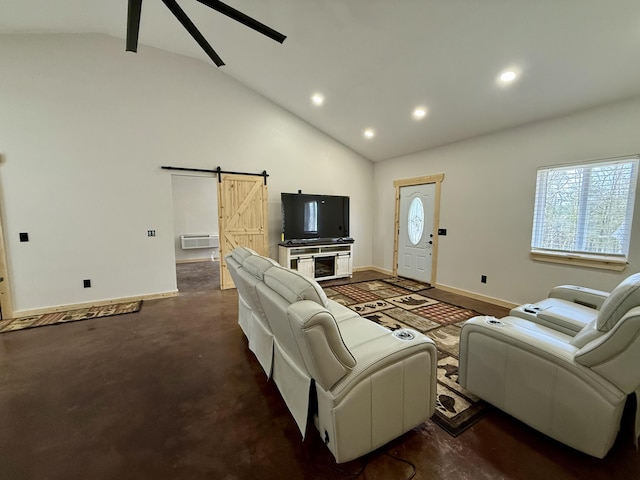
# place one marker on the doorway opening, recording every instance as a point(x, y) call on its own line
point(196, 232)
point(197, 278)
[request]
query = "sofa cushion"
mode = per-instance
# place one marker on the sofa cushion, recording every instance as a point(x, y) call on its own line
point(572, 317)
point(357, 330)
point(294, 287)
point(622, 299)
point(240, 254)
point(339, 311)
point(257, 265)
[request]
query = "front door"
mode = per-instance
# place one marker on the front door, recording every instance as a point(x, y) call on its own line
point(417, 216)
point(242, 218)
point(415, 234)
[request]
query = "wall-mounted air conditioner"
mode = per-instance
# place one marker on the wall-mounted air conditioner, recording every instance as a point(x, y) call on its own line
point(188, 242)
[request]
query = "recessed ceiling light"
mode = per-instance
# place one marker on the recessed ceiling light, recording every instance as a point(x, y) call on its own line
point(369, 133)
point(317, 99)
point(508, 76)
point(420, 112)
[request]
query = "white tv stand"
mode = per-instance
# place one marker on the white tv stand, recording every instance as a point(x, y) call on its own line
point(319, 261)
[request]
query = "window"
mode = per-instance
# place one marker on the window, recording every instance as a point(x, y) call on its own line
point(583, 212)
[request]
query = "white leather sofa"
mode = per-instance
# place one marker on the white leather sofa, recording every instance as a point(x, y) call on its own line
point(570, 386)
point(360, 383)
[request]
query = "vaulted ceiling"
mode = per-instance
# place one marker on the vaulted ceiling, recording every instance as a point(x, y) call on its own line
point(375, 61)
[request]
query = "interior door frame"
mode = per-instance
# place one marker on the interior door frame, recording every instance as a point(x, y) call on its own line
point(409, 182)
point(6, 305)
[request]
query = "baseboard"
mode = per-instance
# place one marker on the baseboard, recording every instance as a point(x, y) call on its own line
point(477, 296)
point(196, 260)
point(375, 269)
point(99, 303)
point(459, 291)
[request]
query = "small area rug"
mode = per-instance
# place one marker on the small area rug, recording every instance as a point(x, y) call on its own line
point(14, 324)
point(401, 303)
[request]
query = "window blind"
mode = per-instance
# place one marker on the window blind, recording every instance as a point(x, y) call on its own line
point(585, 208)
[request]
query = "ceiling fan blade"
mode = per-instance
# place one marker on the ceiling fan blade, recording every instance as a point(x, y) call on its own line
point(133, 24)
point(193, 30)
point(244, 19)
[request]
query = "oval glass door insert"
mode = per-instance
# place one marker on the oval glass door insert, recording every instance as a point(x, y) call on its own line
point(415, 221)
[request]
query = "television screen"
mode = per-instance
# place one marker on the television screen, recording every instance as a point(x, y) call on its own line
point(318, 217)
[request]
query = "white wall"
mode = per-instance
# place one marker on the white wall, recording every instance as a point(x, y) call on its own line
point(85, 126)
point(195, 211)
point(487, 201)
point(84, 129)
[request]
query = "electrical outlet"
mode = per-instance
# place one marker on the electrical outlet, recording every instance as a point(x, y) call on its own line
point(151, 233)
point(483, 279)
point(442, 231)
point(87, 283)
point(24, 237)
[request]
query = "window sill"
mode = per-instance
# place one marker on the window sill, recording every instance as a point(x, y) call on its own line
point(590, 261)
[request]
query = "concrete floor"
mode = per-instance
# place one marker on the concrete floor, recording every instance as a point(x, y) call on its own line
point(173, 392)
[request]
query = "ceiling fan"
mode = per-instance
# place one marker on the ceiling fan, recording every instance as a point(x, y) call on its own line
point(133, 25)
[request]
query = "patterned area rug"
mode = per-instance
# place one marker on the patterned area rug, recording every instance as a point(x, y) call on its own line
point(14, 324)
point(395, 303)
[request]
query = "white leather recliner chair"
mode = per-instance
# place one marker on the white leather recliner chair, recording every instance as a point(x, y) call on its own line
point(570, 387)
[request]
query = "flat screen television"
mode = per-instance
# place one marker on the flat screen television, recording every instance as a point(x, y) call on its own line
point(315, 217)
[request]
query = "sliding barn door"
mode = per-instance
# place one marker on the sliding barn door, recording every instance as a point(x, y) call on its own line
point(242, 209)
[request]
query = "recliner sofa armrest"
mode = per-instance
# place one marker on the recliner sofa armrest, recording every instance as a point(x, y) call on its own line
point(391, 390)
point(580, 295)
point(315, 330)
point(381, 352)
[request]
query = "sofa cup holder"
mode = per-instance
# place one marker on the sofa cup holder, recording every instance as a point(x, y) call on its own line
point(404, 334)
point(494, 322)
point(532, 309)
